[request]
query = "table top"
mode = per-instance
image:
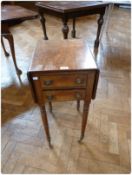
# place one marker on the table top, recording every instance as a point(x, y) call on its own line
point(62, 55)
point(13, 12)
point(71, 6)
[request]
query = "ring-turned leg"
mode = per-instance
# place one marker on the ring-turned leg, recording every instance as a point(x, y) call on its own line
point(42, 20)
point(65, 28)
point(100, 23)
point(73, 33)
point(45, 124)
point(9, 37)
point(3, 45)
point(84, 119)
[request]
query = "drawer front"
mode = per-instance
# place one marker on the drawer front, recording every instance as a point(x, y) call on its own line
point(62, 81)
point(64, 95)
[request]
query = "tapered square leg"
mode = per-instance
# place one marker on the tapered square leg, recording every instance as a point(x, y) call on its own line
point(45, 124)
point(84, 120)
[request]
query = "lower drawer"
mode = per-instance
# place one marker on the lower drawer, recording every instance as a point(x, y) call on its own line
point(64, 95)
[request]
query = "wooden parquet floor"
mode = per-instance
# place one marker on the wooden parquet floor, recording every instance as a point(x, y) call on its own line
point(106, 147)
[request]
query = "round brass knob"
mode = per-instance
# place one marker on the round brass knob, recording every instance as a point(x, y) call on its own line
point(78, 81)
point(78, 95)
point(48, 82)
point(50, 97)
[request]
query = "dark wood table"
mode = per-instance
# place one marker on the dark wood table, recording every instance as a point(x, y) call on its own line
point(71, 10)
point(62, 71)
point(10, 15)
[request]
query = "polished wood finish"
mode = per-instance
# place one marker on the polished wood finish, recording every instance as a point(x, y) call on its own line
point(106, 148)
point(63, 95)
point(61, 54)
point(71, 10)
point(7, 35)
point(11, 14)
point(45, 123)
point(70, 80)
point(63, 71)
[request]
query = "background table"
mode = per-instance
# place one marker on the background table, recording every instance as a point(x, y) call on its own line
point(10, 15)
point(71, 10)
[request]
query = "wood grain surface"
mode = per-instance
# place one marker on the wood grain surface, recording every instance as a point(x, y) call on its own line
point(107, 144)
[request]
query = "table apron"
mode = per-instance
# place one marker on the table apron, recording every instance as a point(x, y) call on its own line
point(74, 14)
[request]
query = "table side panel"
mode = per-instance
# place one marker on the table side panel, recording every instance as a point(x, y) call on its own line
point(49, 12)
point(95, 84)
point(68, 7)
point(35, 88)
point(91, 85)
point(87, 12)
point(72, 13)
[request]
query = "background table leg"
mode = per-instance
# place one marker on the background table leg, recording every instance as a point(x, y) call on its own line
point(42, 20)
point(78, 105)
point(50, 106)
point(65, 29)
point(73, 33)
point(9, 37)
point(100, 23)
point(5, 52)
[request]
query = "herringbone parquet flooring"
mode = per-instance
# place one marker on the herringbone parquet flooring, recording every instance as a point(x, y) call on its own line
point(106, 146)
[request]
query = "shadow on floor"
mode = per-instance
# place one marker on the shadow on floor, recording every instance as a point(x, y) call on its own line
point(15, 101)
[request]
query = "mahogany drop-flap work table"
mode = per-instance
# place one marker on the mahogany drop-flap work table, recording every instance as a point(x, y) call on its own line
point(71, 10)
point(62, 71)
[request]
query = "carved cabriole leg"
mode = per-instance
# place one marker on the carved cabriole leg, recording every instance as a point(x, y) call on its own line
point(84, 119)
point(42, 20)
point(73, 33)
point(45, 124)
point(5, 52)
point(100, 23)
point(9, 37)
point(65, 28)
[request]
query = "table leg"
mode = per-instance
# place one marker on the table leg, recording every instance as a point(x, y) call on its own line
point(65, 28)
point(78, 105)
point(42, 20)
point(45, 124)
point(73, 33)
point(50, 106)
point(111, 7)
point(9, 37)
point(100, 23)
point(84, 119)
point(5, 52)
